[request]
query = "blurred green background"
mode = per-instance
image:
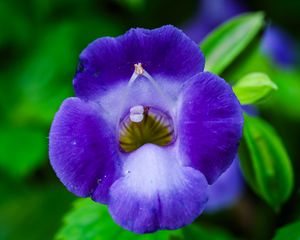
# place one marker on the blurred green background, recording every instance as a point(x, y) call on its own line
point(40, 41)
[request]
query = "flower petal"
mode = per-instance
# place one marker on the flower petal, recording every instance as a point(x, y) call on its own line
point(166, 53)
point(227, 190)
point(82, 149)
point(156, 192)
point(209, 124)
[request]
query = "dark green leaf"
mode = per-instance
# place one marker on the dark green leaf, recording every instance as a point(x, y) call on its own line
point(268, 170)
point(91, 220)
point(14, 24)
point(132, 4)
point(195, 232)
point(289, 232)
point(46, 77)
point(284, 101)
point(224, 44)
point(253, 88)
point(31, 212)
point(22, 149)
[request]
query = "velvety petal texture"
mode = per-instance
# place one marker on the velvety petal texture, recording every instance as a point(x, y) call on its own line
point(157, 192)
point(82, 149)
point(166, 52)
point(209, 124)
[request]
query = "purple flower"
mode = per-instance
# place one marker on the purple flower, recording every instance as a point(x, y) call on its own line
point(148, 130)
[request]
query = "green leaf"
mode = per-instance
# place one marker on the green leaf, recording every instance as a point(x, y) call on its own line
point(268, 168)
point(132, 4)
point(290, 232)
point(225, 43)
point(31, 212)
point(45, 80)
point(283, 101)
point(194, 232)
point(91, 220)
point(14, 24)
point(22, 149)
point(253, 88)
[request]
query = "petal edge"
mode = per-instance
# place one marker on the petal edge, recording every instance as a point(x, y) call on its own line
point(156, 193)
point(210, 123)
point(78, 149)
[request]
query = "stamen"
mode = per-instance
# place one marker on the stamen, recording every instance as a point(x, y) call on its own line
point(137, 113)
point(138, 69)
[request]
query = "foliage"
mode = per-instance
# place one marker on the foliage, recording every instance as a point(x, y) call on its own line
point(18, 156)
point(291, 232)
point(225, 43)
point(39, 44)
point(253, 88)
point(90, 220)
point(265, 163)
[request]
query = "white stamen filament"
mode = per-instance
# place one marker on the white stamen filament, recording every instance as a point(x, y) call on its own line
point(138, 71)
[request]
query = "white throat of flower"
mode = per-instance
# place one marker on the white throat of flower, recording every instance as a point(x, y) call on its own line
point(145, 124)
point(140, 71)
point(137, 111)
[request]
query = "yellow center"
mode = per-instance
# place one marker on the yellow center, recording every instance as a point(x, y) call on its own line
point(151, 126)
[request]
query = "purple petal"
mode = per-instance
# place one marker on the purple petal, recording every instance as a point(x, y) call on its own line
point(165, 53)
point(227, 190)
point(156, 192)
point(82, 149)
point(210, 124)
